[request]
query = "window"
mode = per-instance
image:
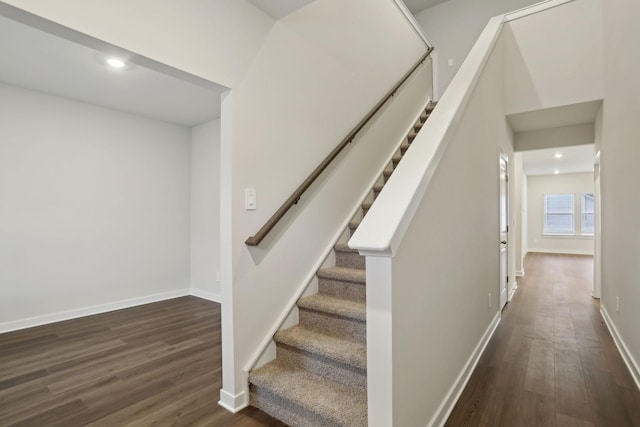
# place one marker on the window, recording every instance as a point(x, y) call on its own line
point(588, 213)
point(558, 214)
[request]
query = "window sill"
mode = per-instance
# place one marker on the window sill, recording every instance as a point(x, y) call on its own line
point(567, 236)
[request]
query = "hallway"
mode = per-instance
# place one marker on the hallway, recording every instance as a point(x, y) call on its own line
point(551, 361)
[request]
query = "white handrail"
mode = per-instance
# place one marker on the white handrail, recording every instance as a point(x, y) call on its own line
point(384, 226)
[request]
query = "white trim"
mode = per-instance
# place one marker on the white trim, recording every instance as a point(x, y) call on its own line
point(513, 291)
point(435, 90)
point(631, 363)
point(567, 236)
point(533, 9)
point(445, 408)
point(206, 295)
point(233, 403)
point(520, 273)
point(412, 21)
point(314, 269)
point(89, 311)
point(561, 251)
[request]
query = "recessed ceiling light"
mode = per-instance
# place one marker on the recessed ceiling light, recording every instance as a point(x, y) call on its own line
point(556, 171)
point(115, 62)
point(558, 155)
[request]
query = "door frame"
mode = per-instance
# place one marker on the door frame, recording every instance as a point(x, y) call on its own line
point(596, 291)
point(503, 297)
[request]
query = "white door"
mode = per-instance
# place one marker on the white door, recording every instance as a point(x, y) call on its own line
point(504, 231)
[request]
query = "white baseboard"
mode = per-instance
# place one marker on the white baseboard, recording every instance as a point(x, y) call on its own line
point(233, 403)
point(631, 363)
point(513, 291)
point(206, 295)
point(445, 408)
point(89, 311)
point(560, 251)
point(520, 273)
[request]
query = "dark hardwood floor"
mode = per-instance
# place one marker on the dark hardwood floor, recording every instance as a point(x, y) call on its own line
point(157, 364)
point(551, 361)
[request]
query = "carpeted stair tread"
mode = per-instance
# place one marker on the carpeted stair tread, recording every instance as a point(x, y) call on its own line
point(356, 310)
point(341, 350)
point(344, 247)
point(367, 205)
point(354, 275)
point(355, 223)
point(378, 188)
point(339, 404)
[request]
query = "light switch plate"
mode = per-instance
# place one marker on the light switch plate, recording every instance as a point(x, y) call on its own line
point(250, 202)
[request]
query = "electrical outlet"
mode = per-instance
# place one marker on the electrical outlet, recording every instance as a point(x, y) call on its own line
point(617, 304)
point(489, 299)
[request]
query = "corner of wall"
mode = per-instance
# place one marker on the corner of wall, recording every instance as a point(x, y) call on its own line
point(628, 358)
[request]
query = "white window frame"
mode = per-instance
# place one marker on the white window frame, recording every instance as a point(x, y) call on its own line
point(583, 213)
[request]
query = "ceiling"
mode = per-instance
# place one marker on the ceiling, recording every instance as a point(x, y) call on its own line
point(418, 5)
point(37, 60)
point(278, 9)
point(575, 159)
point(567, 115)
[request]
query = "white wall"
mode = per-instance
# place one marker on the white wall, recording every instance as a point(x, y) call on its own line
point(318, 73)
point(537, 187)
point(215, 40)
point(205, 210)
point(564, 136)
point(429, 280)
point(447, 264)
point(454, 26)
point(620, 175)
point(94, 208)
point(555, 58)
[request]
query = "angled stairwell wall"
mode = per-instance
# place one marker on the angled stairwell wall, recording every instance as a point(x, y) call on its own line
point(319, 376)
point(318, 73)
point(432, 240)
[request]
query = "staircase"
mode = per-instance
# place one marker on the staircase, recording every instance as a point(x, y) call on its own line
point(319, 377)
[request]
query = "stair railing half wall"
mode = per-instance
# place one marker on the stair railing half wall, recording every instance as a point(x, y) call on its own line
point(297, 194)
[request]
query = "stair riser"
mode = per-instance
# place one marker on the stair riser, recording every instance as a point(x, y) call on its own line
point(347, 290)
point(286, 411)
point(350, 260)
point(333, 325)
point(318, 365)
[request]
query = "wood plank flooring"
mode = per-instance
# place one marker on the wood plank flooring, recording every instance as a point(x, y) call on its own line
point(552, 361)
point(157, 364)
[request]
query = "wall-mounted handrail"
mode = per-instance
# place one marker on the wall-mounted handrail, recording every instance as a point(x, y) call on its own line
point(293, 199)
